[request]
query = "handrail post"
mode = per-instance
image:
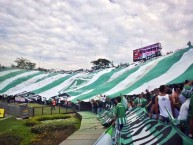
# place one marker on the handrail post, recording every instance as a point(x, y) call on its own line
point(42, 110)
point(33, 111)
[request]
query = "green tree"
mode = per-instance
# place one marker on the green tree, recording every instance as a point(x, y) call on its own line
point(101, 63)
point(23, 63)
point(30, 65)
point(189, 44)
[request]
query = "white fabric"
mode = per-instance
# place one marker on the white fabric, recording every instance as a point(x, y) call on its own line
point(134, 77)
point(40, 84)
point(24, 84)
point(182, 99)
point(55, 90)
point(164, 102)
point(121, 72)
point(183, 114)
point(104, 99)
point(105, 139)
point(92, 80)
point(12, 79)
point(3, 73)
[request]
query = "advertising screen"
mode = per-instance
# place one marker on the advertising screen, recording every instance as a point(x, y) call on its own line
point(147, 52)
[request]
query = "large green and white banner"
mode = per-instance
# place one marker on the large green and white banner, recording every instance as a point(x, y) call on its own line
point(141, 130)
point(134, 79)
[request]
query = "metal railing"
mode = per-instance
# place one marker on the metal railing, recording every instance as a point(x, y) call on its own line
point(49, 110)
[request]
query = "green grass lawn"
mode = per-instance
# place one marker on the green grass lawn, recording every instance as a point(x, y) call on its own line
point(14, 132)
point(17, 132)
point(16, 127)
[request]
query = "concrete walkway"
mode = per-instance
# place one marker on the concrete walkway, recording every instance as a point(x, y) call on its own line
point(90, 130)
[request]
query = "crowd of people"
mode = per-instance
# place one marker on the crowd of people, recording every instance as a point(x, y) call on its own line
point(161, 104)
point(102, 102)
point(177, 101)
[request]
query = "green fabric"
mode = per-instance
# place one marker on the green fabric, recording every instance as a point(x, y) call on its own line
point(51, 85)
point(12, 74)
point(96, 86)
point(45, 77)
point(136, 101)
point(19, 81)
point(155, 72)
point(122, 120)
point(141, 101)
point(120, 111)
point(110, 131)
point(103, 87)
point(187, 75)
point(140, 129)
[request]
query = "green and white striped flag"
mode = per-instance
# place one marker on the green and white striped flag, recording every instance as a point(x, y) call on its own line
point(124, 101)
point(140, 129)
point(106, 137)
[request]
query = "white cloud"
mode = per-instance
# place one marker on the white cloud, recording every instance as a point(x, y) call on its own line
point(70, 33)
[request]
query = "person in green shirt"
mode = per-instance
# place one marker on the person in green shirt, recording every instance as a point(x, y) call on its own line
point(140, 101)
point(120, 114)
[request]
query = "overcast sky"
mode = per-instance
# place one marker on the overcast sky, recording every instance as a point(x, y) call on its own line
point(69, 34)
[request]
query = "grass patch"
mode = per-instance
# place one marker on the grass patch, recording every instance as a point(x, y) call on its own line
point(15, 128)
point(47, 129)
point(13, 139)
point(53, 138)
point(38, 119)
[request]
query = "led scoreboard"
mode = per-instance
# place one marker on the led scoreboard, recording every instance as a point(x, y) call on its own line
point(147, 52)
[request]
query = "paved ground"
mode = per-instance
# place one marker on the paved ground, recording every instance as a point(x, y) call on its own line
point(90, 130)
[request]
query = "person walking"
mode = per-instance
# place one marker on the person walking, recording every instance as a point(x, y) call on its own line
point(53, 104)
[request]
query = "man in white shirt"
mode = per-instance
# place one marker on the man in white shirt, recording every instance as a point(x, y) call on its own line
point(163, 101)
